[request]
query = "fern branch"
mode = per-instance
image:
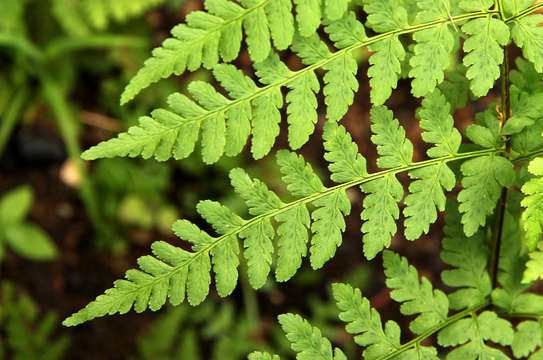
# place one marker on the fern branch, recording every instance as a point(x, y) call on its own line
point(450, 320)
point(118, 298)
point(161, 132)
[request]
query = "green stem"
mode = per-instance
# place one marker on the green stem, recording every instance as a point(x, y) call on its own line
point(498, 232)
point(69, 131)
point(11, 116)
point(21, 44)
point(520, 315)
point(434, 329)
point(61, 46)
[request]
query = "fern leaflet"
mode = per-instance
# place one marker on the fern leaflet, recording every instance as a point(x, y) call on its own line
point(416, 297)
point(380, 205)
point(426, 192)
point(469, 257)
point(487, 35)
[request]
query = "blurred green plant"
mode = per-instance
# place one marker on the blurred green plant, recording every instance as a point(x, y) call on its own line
point(24, 334)
point(40, 47)
point(24, 238)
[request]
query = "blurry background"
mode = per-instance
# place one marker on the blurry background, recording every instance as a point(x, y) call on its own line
point(68, 229)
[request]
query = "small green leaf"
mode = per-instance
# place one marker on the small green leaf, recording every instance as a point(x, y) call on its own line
point(31, 242)
point(14, 205)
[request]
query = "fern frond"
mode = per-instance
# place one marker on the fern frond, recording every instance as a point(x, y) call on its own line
point(307, 340)
point(483, 48)
point(217, 33)
point(469, 257)
point(416, 297)
point(471, 334)
point(380, 205)
point(529, 36)
point(426, 192)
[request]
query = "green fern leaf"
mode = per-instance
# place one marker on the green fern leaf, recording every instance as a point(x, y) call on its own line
point(385, 63)
point(307, 340)
point(469, 257)
point(426, 193)
point(308, 16)
point(527, 338)
point(258, 251)
point(208, 35)
point(341, 82)
point(526, 109)
point(385, 68)
point(340, 85)
point(310, 49)
point(484, 178)
point(225, 254)
point(300, 178)
point(484, 52)
point(529, 36)
point(416, 297)
point(257, 355)
point(257, 196)
point(512, 296)
point(346, 31)
point(386, 15)
point(475, 5)
point(281, 22)
point(365, 322)
point(347, 163)
point(334, 9)
point(380, 205)
point(292, 242)
point(302, 108)
point(514, 7)
point(434, 46)
point(472, 333)
point(328, 226)
point(389, 136)
point(533, 202)
point(380, 213)
point(534, 267)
